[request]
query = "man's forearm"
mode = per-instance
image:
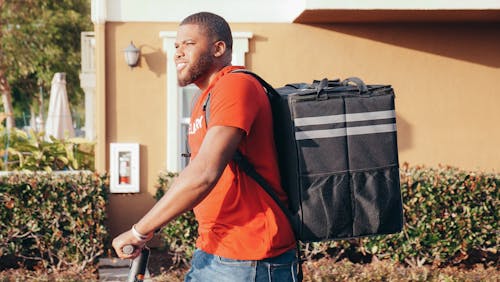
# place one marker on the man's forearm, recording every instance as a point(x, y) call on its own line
point(192, 185)
point(196, 180)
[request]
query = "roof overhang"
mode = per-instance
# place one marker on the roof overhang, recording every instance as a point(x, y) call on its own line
point(329, 16)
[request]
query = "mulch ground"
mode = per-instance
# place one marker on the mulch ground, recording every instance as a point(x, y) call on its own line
point(164, 266)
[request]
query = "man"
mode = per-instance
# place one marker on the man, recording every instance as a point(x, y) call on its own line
point(243, 234)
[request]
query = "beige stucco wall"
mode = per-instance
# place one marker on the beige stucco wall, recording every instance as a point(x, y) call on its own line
point(444, 76)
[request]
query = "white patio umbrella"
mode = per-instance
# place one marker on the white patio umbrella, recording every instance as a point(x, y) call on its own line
point(59, 123)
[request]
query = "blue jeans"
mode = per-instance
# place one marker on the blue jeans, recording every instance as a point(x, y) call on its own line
point(207, 267)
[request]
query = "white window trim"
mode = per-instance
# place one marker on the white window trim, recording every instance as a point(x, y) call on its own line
point(173, 158)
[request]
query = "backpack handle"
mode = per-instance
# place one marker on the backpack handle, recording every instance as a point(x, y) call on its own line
point(357, 82)
point(331, 82)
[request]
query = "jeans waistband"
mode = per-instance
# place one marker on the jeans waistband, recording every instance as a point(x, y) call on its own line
point(286, 257)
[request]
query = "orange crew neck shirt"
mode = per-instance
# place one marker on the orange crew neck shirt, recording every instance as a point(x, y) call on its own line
point(238, 219)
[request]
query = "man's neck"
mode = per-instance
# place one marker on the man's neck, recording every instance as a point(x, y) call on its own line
point(203, 83)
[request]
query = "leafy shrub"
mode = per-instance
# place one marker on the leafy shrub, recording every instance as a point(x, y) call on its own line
point(451, 216)
point(52, 220)
point(180, 234)
point(22, 151)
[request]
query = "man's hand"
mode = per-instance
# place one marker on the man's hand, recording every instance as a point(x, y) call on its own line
point(127, 238)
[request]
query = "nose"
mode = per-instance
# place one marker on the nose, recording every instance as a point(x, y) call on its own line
point(178, 52)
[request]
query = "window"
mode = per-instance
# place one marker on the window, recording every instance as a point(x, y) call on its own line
point(179, 98)
point(186, 95)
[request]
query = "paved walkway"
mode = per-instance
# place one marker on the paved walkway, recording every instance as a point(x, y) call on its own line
point(115, 270)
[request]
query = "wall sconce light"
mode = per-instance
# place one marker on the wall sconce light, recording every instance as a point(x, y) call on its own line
point(131, 55)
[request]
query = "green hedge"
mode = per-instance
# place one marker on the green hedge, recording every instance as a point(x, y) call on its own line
point(52, 220)
point(180, 234)
point(451, 216)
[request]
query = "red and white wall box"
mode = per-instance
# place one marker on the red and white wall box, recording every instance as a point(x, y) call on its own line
point(124, 168)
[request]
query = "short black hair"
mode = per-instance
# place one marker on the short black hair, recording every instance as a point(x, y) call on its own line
point(215, 26)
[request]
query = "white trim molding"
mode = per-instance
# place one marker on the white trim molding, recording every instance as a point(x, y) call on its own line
point(98, 11)
point(173, 126)
point(260, 11)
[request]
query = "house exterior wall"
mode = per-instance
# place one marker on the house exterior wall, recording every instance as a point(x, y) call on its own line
point(444, 76)
point(135, 112)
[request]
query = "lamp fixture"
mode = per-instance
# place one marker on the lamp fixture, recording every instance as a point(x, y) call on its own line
point(131, 55)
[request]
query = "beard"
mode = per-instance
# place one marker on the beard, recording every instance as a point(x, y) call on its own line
point(197, 70)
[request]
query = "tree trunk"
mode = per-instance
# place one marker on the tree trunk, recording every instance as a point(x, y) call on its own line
point(5, 88)
point(7, 101)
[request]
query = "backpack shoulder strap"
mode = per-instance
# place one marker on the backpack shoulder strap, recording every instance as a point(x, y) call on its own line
point(248, 168)
point(271, 92)
point(206, 109)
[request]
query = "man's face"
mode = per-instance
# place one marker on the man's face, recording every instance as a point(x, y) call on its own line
point(193, 56)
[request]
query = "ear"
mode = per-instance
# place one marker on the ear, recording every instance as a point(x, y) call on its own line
point(219, 48)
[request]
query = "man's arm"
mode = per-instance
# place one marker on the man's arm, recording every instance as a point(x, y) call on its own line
point(191, 187)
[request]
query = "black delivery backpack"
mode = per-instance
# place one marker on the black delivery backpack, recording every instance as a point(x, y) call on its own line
point(338, 158)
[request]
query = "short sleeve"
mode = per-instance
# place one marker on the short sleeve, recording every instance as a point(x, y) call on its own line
point(235, 101)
